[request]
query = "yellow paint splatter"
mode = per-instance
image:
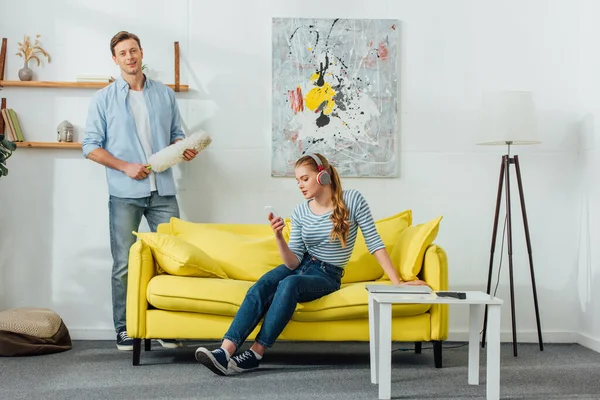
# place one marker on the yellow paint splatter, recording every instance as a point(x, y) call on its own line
point(314, 76)
point(310, 49)
point(318, 95)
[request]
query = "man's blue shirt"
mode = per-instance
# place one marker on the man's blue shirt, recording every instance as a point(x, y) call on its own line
point(110, 125)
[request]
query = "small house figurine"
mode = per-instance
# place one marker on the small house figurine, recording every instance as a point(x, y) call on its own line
point(65, 132)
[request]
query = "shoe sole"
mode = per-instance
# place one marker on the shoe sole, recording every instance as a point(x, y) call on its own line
point(204, 357)
point(232, 366)
point(169, 345)
point(125, 347)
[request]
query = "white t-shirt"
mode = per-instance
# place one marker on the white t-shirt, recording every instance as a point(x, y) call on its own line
point(142, 122)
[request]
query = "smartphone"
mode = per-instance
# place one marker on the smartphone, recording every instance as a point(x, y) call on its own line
point(271, 209)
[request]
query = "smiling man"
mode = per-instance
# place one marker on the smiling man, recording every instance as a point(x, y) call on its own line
point(128, 121)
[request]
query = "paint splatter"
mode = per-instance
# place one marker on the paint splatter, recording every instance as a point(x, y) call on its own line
point(337, 95)
point(296, 100)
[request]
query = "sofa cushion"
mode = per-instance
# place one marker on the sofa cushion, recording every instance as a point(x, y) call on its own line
point(350, 302)
point(244, 251)
point(224, 297)
point(410, 247)
point(201, 295)
point(178, 257)
point(363, 266)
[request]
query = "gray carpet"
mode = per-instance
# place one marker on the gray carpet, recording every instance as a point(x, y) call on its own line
point(97, 370)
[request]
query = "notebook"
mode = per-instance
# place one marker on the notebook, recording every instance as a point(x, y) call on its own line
point(405, 289)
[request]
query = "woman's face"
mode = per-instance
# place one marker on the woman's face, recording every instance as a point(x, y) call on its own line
point(306, 176)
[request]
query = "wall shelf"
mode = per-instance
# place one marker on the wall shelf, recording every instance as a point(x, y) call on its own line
point(50, 145)
point(77, 85)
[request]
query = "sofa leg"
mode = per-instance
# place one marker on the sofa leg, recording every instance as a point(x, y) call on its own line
point(147, 344)
point(418, 347)
point(137, 348)
point(437, 353)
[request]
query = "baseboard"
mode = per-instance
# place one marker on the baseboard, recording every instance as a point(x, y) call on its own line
point(454, 336)
point(92, 334)
point(523, 337)
point(589, 342)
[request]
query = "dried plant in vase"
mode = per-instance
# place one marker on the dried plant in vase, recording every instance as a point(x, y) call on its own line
point(28, 53)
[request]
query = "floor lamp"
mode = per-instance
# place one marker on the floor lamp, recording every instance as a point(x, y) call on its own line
point(508, 120)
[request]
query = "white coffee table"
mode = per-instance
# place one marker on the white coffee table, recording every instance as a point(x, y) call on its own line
point(380, 331)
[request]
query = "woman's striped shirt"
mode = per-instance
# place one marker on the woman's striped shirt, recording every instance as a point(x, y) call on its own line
point(310, 232)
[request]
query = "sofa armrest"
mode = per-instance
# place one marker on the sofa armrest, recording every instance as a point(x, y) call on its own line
point(435, 273)
point(141, 270)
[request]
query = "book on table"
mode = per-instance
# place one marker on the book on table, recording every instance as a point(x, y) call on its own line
point(400, 289)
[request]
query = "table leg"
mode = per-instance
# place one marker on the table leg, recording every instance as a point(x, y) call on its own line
point(373, 337)
point(385, 350)
point(493, 352)
point(475, 317)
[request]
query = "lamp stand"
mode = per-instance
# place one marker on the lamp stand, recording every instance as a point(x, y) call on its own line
point(505, 177)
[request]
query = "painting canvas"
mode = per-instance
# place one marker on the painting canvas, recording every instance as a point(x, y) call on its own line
point(335, 93)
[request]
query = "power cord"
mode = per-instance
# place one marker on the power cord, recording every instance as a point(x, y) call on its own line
point(431, 348)
point(501, 255)
point(500, 264)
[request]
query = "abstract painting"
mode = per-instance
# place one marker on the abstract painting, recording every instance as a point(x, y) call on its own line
point(335, 93)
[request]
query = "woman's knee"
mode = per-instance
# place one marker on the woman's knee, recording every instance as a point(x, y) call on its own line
point(289, 286)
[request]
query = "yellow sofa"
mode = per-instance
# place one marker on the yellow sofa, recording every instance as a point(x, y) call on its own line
point(187, 281)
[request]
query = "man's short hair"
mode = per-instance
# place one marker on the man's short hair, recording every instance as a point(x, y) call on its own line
point(119, 37)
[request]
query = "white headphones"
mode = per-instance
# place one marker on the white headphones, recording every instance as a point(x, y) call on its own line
point(323, 177)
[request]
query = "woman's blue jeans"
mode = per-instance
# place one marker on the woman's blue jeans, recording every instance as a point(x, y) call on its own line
point(275, 296)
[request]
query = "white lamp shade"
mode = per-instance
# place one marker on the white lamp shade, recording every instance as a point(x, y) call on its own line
point(508, 117)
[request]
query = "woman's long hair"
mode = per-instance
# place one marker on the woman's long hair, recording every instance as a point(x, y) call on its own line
point(340, 214)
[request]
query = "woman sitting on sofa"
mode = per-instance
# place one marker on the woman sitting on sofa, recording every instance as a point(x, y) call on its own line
point(323, 234)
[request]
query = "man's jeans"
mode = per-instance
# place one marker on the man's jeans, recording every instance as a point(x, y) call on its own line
point(275, 296)
point(125, 216)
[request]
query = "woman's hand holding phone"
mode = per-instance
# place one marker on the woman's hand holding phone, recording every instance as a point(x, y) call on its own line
point(277, 223)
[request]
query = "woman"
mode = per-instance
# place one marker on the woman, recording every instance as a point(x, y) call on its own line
point(323, 234)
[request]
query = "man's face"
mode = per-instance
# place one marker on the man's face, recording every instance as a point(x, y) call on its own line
point(128, 56)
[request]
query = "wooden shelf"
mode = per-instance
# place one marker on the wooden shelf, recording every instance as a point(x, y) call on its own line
point(77, 85)
point(50, 145)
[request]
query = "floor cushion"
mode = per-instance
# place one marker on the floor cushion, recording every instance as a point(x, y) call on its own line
point(32, 331)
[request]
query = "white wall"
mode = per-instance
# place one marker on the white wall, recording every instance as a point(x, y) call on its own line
point(54, 250)
point(588, 271)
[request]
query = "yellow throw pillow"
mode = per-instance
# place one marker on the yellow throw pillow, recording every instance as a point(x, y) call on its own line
point(408, 252)
point(178, 257)
point(363, 266)
point(244, 251)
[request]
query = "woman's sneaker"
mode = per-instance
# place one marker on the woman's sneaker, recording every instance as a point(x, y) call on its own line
point(243, 362)
point(215, 360)
point(124, 342)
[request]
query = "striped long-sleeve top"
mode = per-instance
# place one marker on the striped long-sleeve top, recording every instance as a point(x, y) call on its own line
point(311, 232)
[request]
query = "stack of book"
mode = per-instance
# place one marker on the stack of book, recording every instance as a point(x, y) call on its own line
point(13, 131)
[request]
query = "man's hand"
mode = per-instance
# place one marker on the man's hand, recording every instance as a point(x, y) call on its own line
point(136, 171)
point(190, 154)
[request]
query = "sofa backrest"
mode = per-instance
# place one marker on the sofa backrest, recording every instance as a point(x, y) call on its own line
point(247, 251)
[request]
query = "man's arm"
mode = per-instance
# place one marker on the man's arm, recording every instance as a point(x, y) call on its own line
point(132, 170)
point(176, 131)
point(95, 138)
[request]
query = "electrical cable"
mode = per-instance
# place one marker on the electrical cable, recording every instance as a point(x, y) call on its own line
point(430, 348)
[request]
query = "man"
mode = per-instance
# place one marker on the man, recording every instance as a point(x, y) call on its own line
point(128, 121)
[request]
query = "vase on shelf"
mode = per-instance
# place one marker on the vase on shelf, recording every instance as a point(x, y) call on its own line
point(25, 73)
